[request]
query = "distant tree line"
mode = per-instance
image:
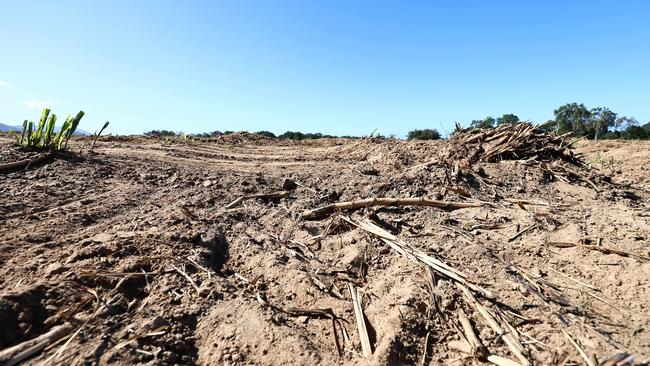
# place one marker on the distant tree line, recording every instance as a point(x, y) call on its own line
point(595, 123)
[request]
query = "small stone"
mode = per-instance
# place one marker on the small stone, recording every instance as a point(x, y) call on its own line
point(207, 183)
point(288, 184)
point(55, 268)
point(102, 237)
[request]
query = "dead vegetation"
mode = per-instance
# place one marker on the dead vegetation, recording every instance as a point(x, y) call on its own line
point(478, 254)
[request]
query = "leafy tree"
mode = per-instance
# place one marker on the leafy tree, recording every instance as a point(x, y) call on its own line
point(507, 119)
point(487, 122)
point(266, 133)
point(572, 117)
point(624, 122)
point(635, 133)
point(160, 133)
point(290, 135)
point(425, 134)
point(600, 120)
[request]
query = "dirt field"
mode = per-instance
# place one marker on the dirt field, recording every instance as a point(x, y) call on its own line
point(132, 251)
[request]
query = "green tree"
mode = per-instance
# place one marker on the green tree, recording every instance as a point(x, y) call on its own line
point(625, 122)
point(635, 133)
point(572, 117)
point(425, 134)
point(507, 119)
point(600, 120)
point(487, 122)
point(646, 127)
point(266, 133)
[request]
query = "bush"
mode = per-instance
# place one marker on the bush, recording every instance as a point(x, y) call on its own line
point(266, 133)
point(297, 135)
point(156, 133)
point(426, 134)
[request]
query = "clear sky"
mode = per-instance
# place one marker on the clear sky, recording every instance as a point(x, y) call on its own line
point(339, 67)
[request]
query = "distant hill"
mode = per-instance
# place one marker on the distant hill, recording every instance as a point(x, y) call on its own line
point(7, 128)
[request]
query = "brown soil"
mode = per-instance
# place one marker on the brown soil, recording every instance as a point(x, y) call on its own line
point(120, 225)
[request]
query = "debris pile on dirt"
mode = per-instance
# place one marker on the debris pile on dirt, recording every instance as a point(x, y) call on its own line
point(157, 252)
point(241, 137)
point(519, 141)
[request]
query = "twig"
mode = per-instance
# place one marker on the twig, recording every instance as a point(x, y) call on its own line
point(14, 355)
point(527, 202)
point(522, 231)
point(272, 195)
point(574, 280)
point(478, 350)
point(582, 352)
point(385, 201)
point(26, 163)
point(603, 250)
point(191, 281)
point(464, 346)
point(508, 339)
point(361, 322)
point(423, 360)
point(417, 255)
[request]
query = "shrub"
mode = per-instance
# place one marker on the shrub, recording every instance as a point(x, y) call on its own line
point(426, 134)
point(156, 133)
point(266, 133)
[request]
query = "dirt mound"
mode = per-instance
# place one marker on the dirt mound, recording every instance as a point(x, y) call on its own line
point(241, 137)
point(148, 252)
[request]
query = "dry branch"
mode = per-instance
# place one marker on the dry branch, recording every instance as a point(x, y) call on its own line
point(188, 278)
point(417, 255)
point(604, 250)
point(508, 338)
point(522, 231)
point(582, 352)
point(14, 355)
point(26, 163)
point(477, 348)
point(574, 280)
point(361, 321)
point(272, 195)
point(324, 211)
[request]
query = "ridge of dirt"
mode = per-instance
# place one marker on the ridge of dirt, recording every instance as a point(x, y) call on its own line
point(130, 223)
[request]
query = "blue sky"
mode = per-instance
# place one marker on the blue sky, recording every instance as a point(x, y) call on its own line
point(339, 67)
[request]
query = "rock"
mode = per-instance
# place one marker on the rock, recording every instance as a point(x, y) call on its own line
point(102, 237)
point(55, 268)
point(288, 184)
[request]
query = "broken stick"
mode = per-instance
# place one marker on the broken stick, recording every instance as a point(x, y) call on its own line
point(361, 321)
point(26, 163)
point(324, 211)
point(14, 355)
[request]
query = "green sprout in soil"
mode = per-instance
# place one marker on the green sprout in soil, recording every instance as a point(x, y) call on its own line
point(42, 136)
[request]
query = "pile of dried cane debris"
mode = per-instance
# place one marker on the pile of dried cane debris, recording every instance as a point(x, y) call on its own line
point(521, 141)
